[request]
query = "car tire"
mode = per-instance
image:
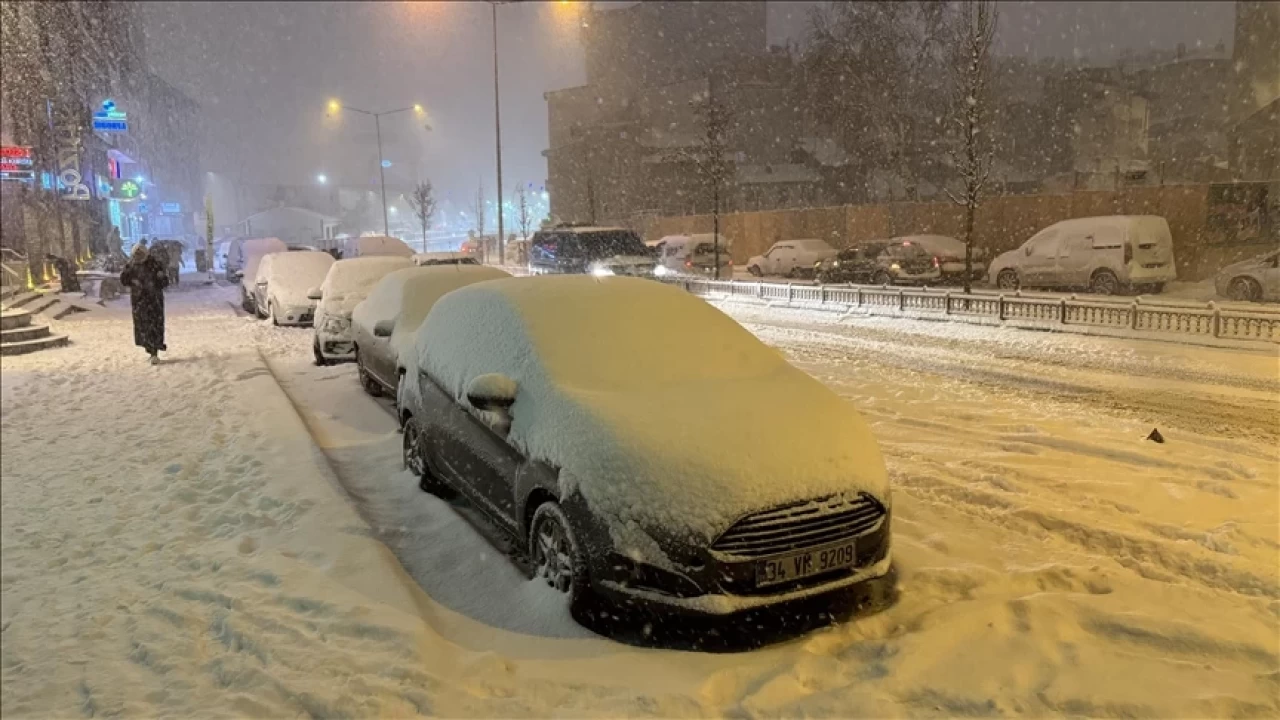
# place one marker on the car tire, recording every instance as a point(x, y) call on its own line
point(1104, 282)
point(414, 456)
point(1007, 279)
point(247, 303)
point(551, 533)
point(756, 271)
point(1244, 289)
point(1157, 288)
point(271, 314)
point(321, 360)
point(882, 278)
point(367, 382)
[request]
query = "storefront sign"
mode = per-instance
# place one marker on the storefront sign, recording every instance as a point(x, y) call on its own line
point(16, 163)
point(126, 190)
point(171, 208)
point(67, 135)
point(109, 119)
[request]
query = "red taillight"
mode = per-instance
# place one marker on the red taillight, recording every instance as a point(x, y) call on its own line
point(935, 261)
point(688, 263)
point(1128, 253)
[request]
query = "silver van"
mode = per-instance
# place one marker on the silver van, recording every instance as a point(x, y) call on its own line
point(1108, 255)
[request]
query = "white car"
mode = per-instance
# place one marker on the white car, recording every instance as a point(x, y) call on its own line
point(693, 255)
point(1254, 279)
point(280, 289)
point(791, 258)
point(368, 245)
point(384, 324)
point(1107, 255)
point(571, 428)
point(243, 258)
point(445, 258)
point(950, 254)
point(345, 286)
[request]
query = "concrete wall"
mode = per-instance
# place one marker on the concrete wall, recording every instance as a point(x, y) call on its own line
point(1201, 243)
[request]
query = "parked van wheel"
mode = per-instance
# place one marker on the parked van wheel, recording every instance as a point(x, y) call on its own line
point(1104, 282)
point(1243, 288)
point(1007, 280)
point(756, 271)
point(882, 278)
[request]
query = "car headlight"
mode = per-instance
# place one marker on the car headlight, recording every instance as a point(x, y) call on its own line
point(894, 267)
point(660, 270)
point(601, 271)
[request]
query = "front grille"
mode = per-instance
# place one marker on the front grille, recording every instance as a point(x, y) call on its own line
point(800, 527)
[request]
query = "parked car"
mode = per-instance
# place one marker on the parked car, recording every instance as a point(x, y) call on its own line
point(384, 324)
point(243, 258)
point(599, 251)
point(790, 258)
point(366, 245)
point(693, 255)
point(280, 289)
point(445, 258)
point(570, 429)
point(347, 283)
point(1107, 255)
point(1255, 279)
point(950, 255)
point(881, 262)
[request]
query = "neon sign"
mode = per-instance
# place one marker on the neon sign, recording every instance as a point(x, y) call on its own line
point(109, 119)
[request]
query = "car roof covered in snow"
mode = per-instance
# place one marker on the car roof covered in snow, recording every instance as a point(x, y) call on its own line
point(361, 273)
point(615, 374)
point(377, 245)
point(408, 294)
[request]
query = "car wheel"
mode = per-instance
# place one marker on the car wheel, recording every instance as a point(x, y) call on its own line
point(367, 382)
point(271, 313)
point(1007, 280)
point(321, 361)
point(1157, 288)
point(1104, 282)
point(1244, 289)
point(881, 278)
point(414, 452)
point(756, 271)
point(247, 303)
point(555, 552)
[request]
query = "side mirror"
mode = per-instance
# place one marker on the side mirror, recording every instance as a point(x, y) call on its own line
point(314, 294)
point(1027, 251)
point(383, 328)
point(491, 392)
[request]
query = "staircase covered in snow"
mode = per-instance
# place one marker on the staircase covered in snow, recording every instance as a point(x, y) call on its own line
point(20, 333)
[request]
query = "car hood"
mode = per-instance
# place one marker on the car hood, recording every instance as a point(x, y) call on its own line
point(686, 462)
point(1243, 265)
point(288, 297)
point(341, 304)
point(1005, 259)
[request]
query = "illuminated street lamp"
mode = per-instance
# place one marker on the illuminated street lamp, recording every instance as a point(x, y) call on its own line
point(322, 179)
point(335, 106)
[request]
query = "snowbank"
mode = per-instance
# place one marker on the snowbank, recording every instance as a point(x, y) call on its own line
point(653, 403)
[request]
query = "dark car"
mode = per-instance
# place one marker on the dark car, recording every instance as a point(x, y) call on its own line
point(595, 251)
point(886, 262)
point(571, 429)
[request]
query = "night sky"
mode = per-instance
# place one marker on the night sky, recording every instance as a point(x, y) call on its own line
point(264, 71)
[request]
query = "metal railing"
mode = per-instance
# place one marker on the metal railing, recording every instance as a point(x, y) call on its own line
point(1129, 317)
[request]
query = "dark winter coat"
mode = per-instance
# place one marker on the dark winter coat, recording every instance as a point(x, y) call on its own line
point(146, 281)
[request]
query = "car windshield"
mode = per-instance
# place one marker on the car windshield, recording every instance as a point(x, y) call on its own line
point(1027, 465)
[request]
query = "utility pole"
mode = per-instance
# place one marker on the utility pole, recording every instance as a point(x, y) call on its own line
point(497, 128)
point(382, 176)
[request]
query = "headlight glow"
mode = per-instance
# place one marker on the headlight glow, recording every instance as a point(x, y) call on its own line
point(601, 271)
point(894, 267)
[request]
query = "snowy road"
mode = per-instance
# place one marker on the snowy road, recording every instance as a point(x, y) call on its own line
point(194, 546)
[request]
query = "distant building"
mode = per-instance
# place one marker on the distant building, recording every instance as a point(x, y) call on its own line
point(1189, 116)
point(1254, 137)
point(295, 226)
point(1255, 145)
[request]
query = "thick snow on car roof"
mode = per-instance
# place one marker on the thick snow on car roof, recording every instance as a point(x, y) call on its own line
point(362, 273)
point(615, 375)
point(379, 245)
point(408, 294)
point(292, 274)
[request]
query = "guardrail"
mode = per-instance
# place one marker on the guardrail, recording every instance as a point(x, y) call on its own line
point(1110, 316)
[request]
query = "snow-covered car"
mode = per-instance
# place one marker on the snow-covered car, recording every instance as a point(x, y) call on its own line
point(280, 288)
point(573, 430)
point(368, 245)
point(384, 324)
point(950, 255)
point(243, 257)
point(347, 283)
point(693, 255)
point(1107, 255)
point(881, 262)
point(791, 258)
point(445, 258)
point(1254, 279)
point(599, 251)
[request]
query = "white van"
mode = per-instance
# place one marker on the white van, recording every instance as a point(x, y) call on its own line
point(693, 255)
point(249, 254)
point(1107, 255)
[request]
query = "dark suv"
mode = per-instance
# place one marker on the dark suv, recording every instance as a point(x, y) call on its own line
point(589, 251)
point(880, 262)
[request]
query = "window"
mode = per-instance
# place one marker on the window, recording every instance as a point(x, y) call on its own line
point(1043, 245)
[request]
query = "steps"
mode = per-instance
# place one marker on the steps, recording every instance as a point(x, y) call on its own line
point(19, 336)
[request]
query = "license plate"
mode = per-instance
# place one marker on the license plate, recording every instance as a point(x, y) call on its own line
point(803, 564)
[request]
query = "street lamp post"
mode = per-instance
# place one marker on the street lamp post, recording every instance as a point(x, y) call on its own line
point(497, 125)
point(382, 174)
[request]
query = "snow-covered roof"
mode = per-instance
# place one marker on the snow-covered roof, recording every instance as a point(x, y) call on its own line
point(286, 208)
point(613, 403)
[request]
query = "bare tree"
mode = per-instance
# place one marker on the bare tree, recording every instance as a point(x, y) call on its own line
point(479, 213)
point(973, 154)
point(523, 216)
point(423, 202)
point(709, 157)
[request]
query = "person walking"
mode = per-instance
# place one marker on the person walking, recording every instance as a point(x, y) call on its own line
point(176, 263)
point(146, 279)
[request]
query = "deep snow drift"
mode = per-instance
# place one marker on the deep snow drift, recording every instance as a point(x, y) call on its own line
point(175, 542)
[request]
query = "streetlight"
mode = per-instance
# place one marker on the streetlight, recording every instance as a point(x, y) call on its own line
point(335, 106)
point(322, 179)
point(497, 123)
